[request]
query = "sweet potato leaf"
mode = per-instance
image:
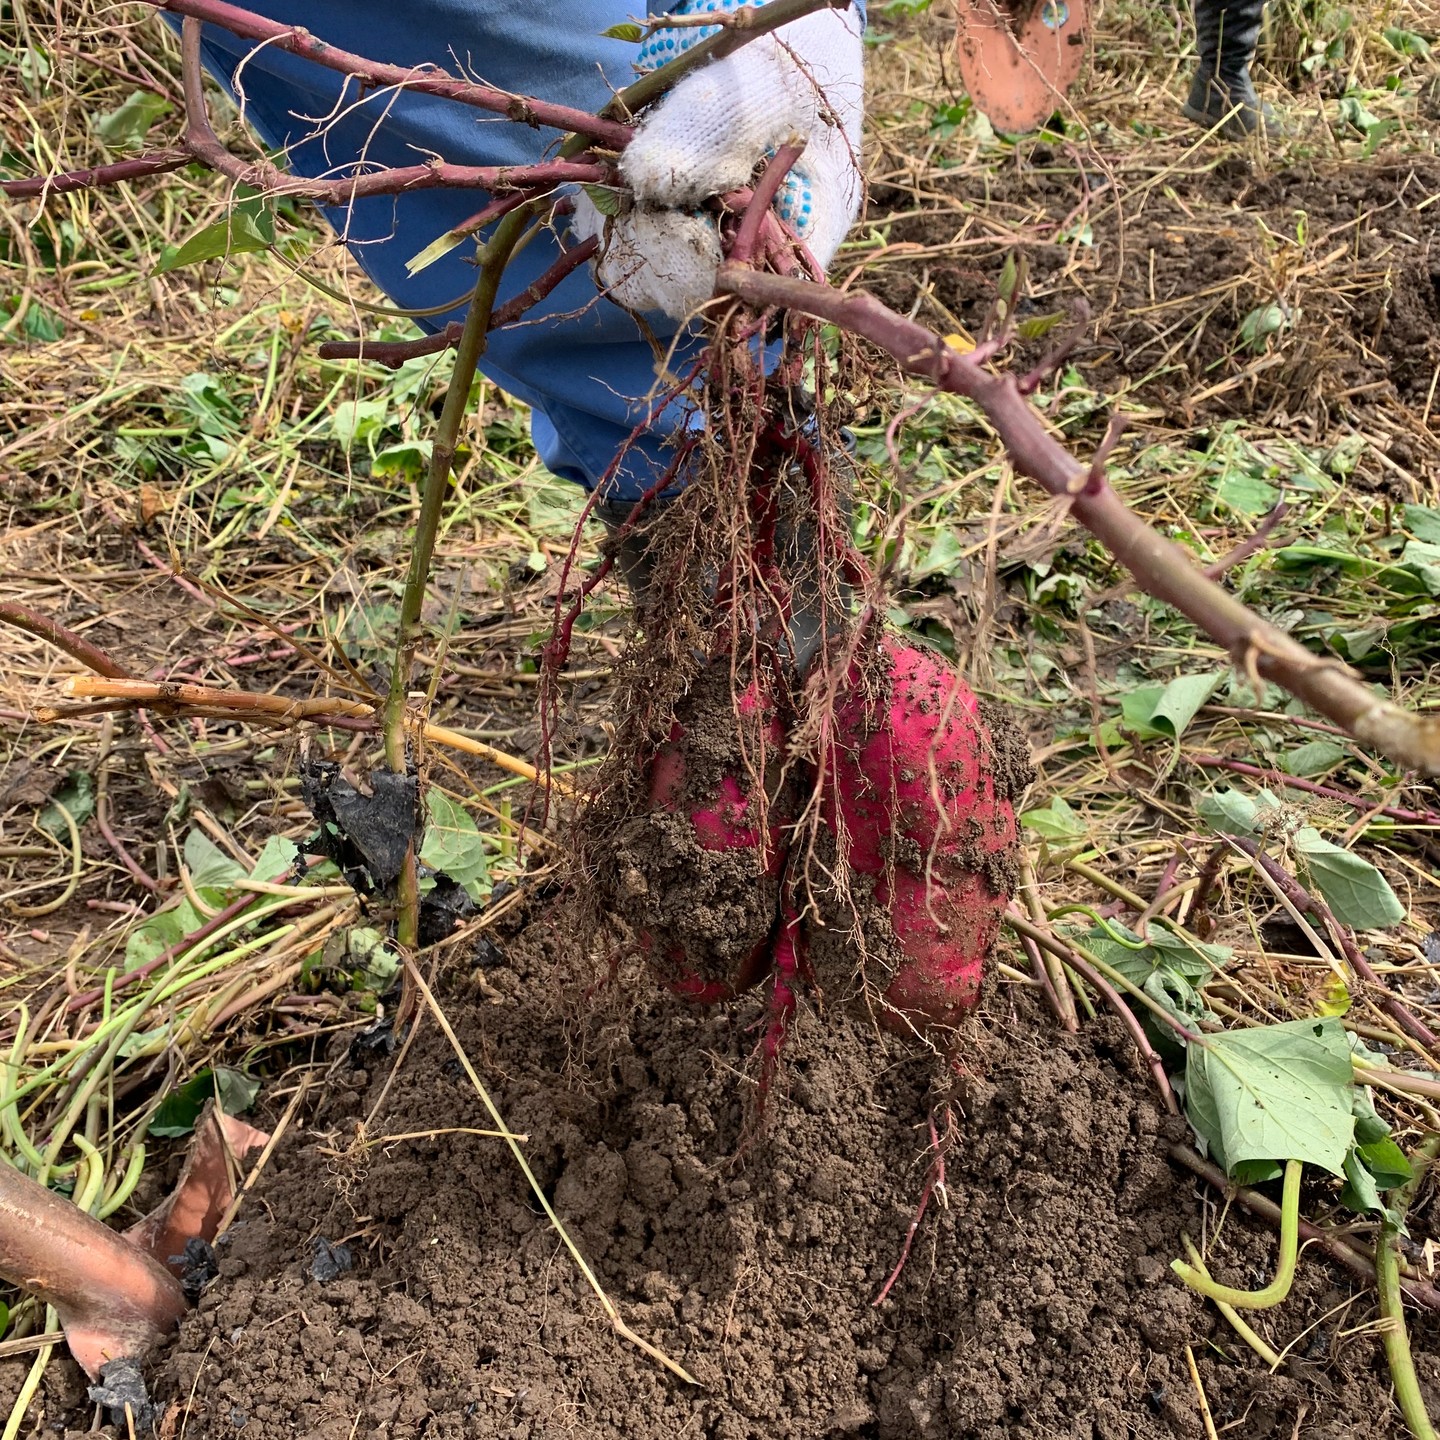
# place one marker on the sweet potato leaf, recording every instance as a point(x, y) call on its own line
point(1275, 1092)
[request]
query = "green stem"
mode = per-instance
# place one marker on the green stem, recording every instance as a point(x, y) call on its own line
point(1231, 1314)
point(1279, 1287)
point(494, 256)
point(1392, 1306)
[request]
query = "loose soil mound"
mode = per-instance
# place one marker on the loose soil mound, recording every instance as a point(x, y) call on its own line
point(1036, 1301)
point(1173, 259)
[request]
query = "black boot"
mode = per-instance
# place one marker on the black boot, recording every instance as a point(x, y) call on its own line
point(1222, 93)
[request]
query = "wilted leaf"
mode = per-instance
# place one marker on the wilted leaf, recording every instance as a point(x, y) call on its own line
point(1246, 494)
point(626, 30)
point(604, 198)
point(1233, 812)
point(77, 795)
point(127, 125)
point(209, 866)
point(1353, 888)
point(1055, 821)
point(1260, 324)
point(1168, 709)
point(1315, 757)
point(454, 846)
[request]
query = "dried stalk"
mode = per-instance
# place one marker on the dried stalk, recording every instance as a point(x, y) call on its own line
point(1160, 567)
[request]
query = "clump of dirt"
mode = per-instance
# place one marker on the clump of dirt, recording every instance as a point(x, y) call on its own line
point(1036, 1300)
point(695, 869)
point(1312, 291)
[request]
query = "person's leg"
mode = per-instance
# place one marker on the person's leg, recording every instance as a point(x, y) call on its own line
point(580, 362)
point(1222, 92)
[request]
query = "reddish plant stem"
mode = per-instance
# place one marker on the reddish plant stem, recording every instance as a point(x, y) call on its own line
point(202, 143)
point(224, 917)
point(1250, 544)
point(934, 1179)
point(115, 1301)
point(1161, 568)
point(742, 249)
point(1307, 903)
point(427, 80)
point(542, 285)
point(1047, 986)
point(23, 618)
point(393, 353)
point(1310, 787)
point(158, 163)
point(137, 871)
point(1336, 1246)
point(1131, 1021)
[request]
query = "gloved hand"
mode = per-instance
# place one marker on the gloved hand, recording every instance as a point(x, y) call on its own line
point(803, 82)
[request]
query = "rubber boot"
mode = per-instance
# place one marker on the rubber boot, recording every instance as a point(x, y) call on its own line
point(1222, 93)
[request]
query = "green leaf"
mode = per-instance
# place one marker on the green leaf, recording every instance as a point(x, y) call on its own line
point(1234, 812)
point(237, 234)
point(1276, 1092)
point(126, 126)
point(1181, 699)
point(277, 858)
point(454, 846)
point(627, 30)
point(1055, 821)
point(353, 421)
point(237, 1091)
point(1138, 705)
point(1353, 888)
point(1009, 278)
point(1164, 951)
point(162, 932)
point(209, 866)
point(1315, 757)
point(1423, 523)
point(376, 964)
point(4, 1317)
point(1260, 324)
point(1246, 494)
point(942, 556)
point(1037, 327)
point(177, 1113)
point(604, 198)
point(1362, 1191)
point(1386, 1161)
point(77, 795)
point(409, 457)
point(40, 323)
point(1406, 42)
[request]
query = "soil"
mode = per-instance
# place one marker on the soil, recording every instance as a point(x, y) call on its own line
point(1172, 271)
point(1036, 1300)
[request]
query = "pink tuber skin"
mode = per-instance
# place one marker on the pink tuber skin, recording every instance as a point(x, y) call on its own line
point(911, 786)
point(913, 790)
point(114, 1300)
point(113, 1293)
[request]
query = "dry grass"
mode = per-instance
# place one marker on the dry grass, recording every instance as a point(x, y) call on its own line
point(155, 424)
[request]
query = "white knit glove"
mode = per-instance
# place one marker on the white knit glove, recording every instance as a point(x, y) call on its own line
point(803, 82)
